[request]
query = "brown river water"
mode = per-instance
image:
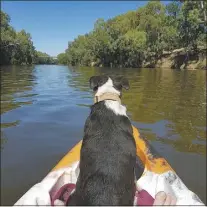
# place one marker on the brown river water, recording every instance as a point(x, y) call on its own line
point(44, 107)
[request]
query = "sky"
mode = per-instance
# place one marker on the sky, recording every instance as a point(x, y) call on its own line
point(53, 23)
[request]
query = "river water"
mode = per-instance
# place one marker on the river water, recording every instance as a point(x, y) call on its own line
point(44, 107)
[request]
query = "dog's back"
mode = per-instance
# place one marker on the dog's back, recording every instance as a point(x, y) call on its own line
point(108, 158)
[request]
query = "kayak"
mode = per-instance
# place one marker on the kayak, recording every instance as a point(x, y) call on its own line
point(158, 176)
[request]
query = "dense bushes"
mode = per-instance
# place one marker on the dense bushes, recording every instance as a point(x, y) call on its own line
point(140, 36)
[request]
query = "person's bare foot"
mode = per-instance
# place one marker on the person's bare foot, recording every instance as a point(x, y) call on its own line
point(161, 199)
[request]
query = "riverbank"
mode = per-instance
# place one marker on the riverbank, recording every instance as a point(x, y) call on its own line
point(176, 59)
point(182, 59)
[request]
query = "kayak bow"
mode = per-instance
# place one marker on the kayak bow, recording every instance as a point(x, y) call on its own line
point(158, 176)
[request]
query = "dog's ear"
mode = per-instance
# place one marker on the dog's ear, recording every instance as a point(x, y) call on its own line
point(97, 81)
point(121, 82)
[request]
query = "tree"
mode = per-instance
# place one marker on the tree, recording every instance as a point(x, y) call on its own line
point(8, 42)
point(190, 24)
point(62, 58)
point(25, 50)
point(43, 58)
point(139, 36)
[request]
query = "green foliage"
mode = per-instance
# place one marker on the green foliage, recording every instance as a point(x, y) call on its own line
point(130, 39)
point(190, 24)
point(43, 58)
point(62, 59)
point(16, 47)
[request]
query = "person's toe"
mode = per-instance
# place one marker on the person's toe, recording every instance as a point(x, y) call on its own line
point(168, 200)
point(160, 198)
point(173, 201)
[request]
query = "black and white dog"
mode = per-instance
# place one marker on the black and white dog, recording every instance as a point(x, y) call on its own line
point(108, 153)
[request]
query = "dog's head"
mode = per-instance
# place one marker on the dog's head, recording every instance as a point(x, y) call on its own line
point(105, 84)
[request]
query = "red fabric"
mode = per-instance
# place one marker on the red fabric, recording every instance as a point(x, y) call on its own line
point(143, 197)
point(63, 193)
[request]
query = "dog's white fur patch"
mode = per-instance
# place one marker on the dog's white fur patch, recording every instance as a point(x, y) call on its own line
point(107, 88)
point(116, 107)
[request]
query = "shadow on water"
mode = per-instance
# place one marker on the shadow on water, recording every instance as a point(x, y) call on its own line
point(43, 110)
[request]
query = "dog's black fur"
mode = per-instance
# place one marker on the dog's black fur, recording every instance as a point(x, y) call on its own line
point(108, 155)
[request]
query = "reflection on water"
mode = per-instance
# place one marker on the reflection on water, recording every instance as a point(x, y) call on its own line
point(43, 110)
point(167, 102)
point(3, 139)
point(15, 82)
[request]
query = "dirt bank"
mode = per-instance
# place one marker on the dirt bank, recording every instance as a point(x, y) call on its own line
point(182, 59)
